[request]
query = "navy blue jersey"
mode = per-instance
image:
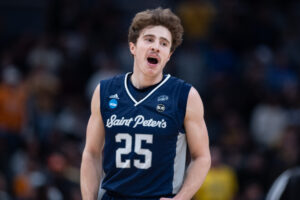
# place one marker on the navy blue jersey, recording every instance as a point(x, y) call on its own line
point(145, 143)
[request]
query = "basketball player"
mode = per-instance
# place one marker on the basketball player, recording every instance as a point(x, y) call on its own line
point(142, 122)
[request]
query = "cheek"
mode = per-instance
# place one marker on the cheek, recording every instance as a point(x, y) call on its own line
point(167, 56)
point(141, 51)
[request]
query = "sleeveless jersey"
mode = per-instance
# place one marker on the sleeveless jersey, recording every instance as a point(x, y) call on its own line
point(144, 153)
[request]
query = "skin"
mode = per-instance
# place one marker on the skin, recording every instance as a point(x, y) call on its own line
point(91, 164)
point(154, 41)
point(197, 139)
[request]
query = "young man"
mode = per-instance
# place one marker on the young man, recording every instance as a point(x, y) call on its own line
point(142, 122)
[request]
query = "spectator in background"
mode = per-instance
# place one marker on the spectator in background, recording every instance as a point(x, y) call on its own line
point(44, 88)
point(45, 55)
point(197, 18)
point(268, 120)
point(13, 96)
point(13, 110)
point(221, 181)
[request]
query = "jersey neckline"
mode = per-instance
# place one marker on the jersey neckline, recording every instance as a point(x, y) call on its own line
point(136, 103)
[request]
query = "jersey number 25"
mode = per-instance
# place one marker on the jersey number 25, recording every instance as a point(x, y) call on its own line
point(137, 149)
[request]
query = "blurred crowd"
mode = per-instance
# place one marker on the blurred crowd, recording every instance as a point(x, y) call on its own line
point(241, 55)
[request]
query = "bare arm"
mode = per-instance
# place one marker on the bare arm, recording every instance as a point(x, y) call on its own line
point(198, 143)
point(91, 165)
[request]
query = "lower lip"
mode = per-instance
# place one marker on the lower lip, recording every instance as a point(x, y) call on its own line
point(152, 65)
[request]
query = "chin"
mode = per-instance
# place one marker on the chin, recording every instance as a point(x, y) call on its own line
point(152, 72)
point(153, 69)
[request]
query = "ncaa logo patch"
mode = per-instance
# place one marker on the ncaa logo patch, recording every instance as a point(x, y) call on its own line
point(160, 107)
point(113, 103)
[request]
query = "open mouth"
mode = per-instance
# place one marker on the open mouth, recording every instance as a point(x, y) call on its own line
point(152, 60)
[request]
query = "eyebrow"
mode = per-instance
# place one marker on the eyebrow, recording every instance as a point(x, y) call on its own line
point(151, 35)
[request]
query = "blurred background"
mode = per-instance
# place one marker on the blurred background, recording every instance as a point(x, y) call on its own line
point(241, 55)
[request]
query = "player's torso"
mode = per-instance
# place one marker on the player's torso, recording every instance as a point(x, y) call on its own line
point(144, 152)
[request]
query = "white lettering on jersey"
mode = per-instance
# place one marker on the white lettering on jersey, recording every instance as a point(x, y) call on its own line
point(138, 121)
point(113, 121)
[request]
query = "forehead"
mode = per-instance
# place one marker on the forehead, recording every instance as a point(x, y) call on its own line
point(157, 31)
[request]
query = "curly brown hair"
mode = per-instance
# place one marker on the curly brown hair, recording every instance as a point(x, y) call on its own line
point(158, 16)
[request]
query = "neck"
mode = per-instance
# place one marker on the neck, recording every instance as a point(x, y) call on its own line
point(141, 81)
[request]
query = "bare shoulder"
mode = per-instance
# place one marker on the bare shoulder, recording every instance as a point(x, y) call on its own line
point(195, 126)
point(95, 104)
point(194, 104)
point(95, 128)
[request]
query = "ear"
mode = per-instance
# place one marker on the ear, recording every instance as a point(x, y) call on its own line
point(132, 48)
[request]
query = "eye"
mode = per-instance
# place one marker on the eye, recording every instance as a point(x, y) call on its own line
point(149, 39)
point(164, 43)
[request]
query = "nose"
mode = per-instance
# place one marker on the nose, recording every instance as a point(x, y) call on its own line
point(155, 47)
